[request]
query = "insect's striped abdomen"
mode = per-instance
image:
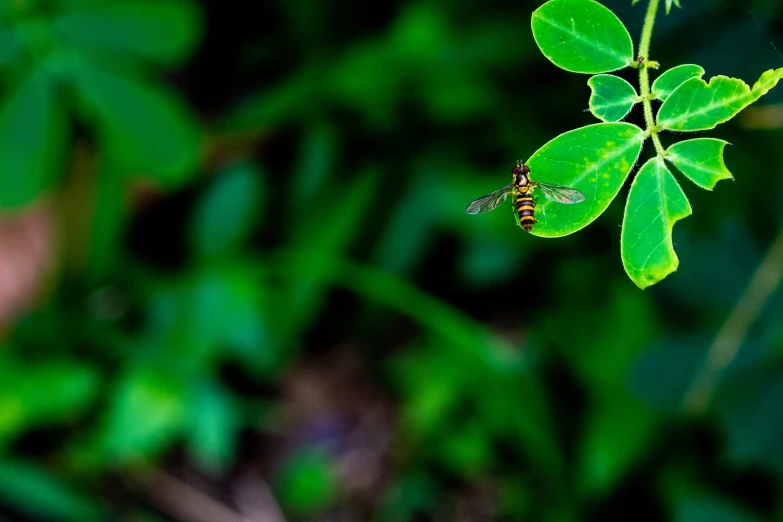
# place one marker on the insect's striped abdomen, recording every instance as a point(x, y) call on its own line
point(526, 209)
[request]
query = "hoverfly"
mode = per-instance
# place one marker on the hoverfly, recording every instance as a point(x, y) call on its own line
point(522, 187)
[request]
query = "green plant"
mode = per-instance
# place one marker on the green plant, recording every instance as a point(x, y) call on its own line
point(583, 36)
point(90, 63)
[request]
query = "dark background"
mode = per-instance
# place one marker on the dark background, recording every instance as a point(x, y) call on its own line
point(237, 281)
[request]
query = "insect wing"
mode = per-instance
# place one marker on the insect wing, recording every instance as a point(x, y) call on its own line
point(560, 194)
point(490, 201)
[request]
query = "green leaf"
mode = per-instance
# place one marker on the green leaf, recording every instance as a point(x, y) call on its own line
point(582, 36)
point(214, 422)
point(655, 203)
point(71, 388)
point(163, 31)
point(147, 129)
point(308, 482)
point(708, 507)
point(696, 105)
point(40, 494)
point(612, 98)
point(594, 160)
point(227, 213)
point(748, 408)
point(10, 44)
point(147, 412)
point(668, 82)
point(701, 160)
point(33, 134)
point(617, 436)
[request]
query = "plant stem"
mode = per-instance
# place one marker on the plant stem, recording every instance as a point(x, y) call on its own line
point(644, 76)
point(731, 336)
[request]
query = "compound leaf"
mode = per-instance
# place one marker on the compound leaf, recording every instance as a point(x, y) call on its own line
point(701, 160)
point(594, 160)
point(668, 82)
point(696, 105)
point(612, 98)
point(582, 36)
point(655, 203)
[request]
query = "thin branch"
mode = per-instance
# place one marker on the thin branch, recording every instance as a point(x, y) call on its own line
point(731, 336)
point(644, 75)
point(185, 502)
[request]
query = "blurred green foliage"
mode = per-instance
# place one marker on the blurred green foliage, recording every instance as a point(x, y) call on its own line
point(265, 285)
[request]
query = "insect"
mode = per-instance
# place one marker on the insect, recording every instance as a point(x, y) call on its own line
point(522, 187)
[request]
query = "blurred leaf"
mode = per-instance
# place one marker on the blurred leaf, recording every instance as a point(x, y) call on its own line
point(360, 81)
point(594, 160)
point(488, 261)
point(214, 423)
point(163, 31)
point(38, 493)
point(307, 482)
point(292, 99)
point(696, 105)
point(146, 128)
point(668, 82)
point(146, 414)
point(710, 508)
point(655, 203)
point(428, 402)
point(618, 435)
point(748, 405)
point(420, 34)
point(602, 359)
point(733, 254)
point(9, 44)
point(337, 226)
point(315, 164)
point(43, 394)
point(214, 311)
point(409, 227)
point(410, 494)
point(701, 160)
point(582, 36)
point(226, 214)
point(612, 97)
point(12, 413)
point(499, 363)
point(663, 374)
point(58, 390)
point(516, 499)
point(33, 134)
point(468, 451)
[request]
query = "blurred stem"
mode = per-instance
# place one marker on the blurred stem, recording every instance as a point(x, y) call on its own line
point(644, 75)
point(188, 504)
point(731, 336)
